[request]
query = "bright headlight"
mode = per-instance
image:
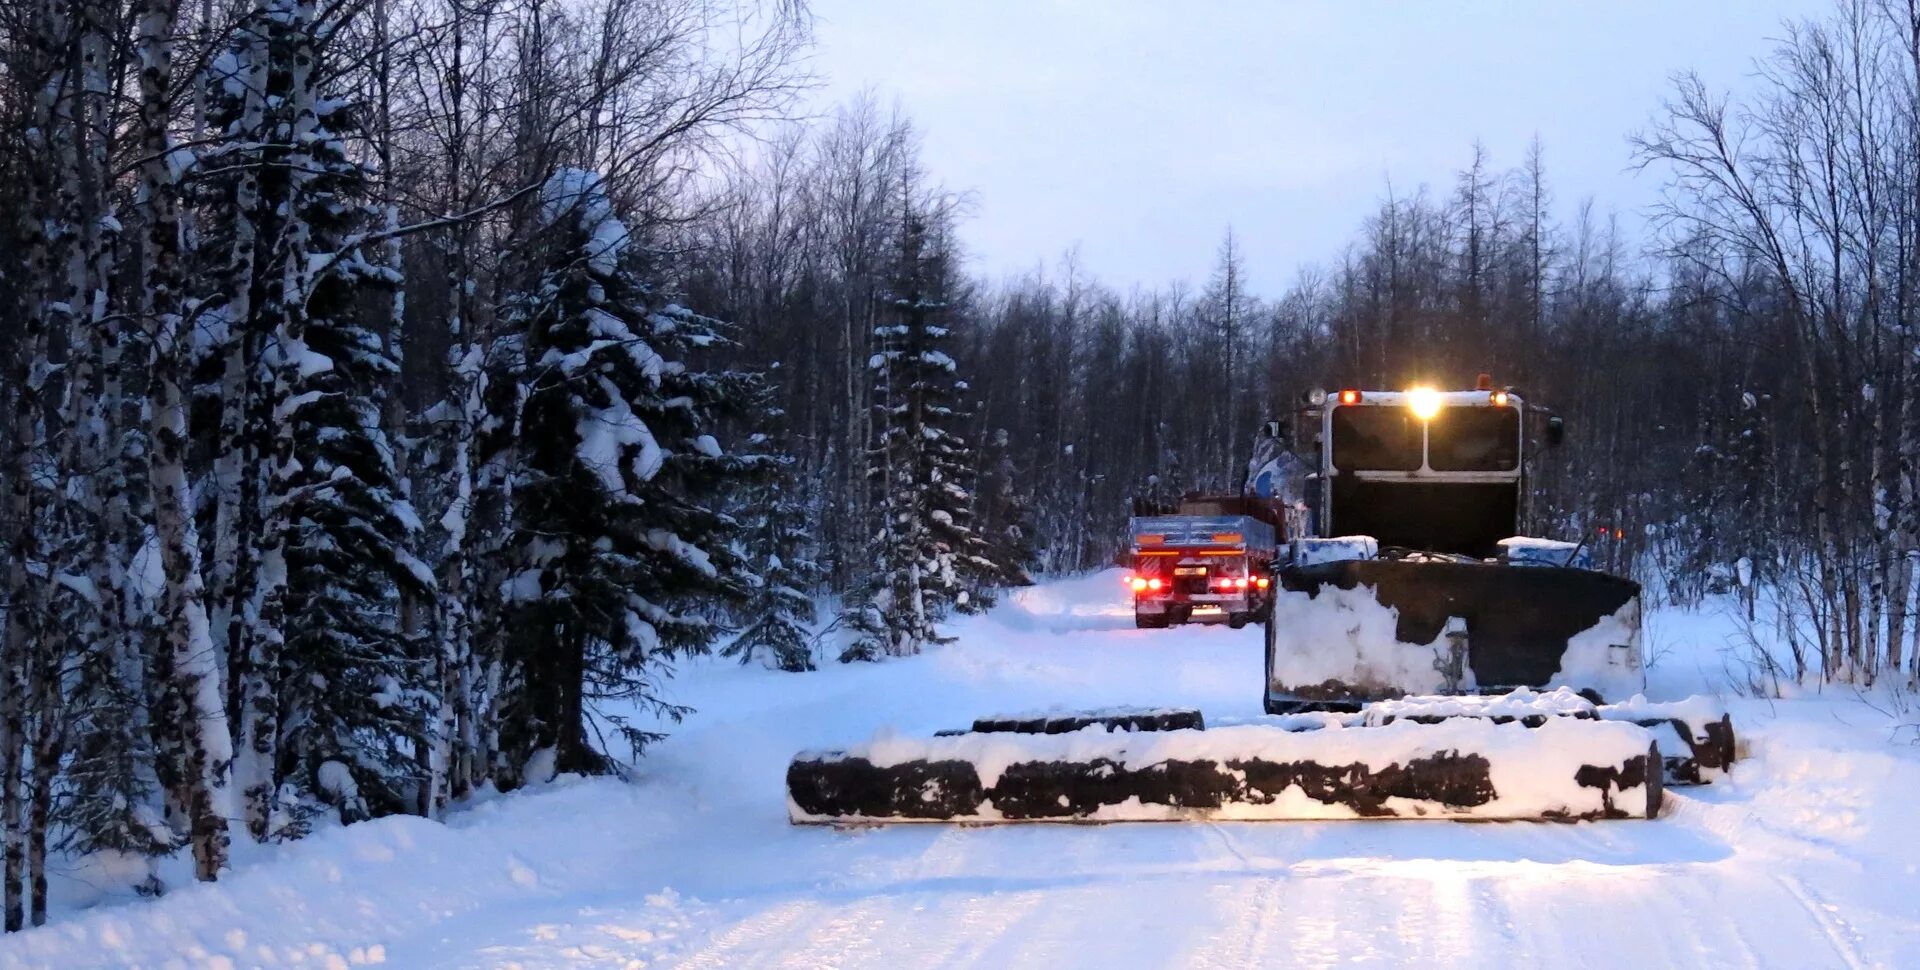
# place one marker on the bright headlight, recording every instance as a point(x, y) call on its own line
point(1425, 402)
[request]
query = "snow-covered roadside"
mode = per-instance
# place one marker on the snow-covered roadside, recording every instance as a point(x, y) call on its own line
point(1805, 859)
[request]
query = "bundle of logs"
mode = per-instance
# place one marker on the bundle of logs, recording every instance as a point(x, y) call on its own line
point(1542, 757)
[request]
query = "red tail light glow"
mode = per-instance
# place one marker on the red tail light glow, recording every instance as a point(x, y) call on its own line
point(1153, 584)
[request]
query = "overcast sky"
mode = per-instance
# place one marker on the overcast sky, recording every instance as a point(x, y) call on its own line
point(1140, 130)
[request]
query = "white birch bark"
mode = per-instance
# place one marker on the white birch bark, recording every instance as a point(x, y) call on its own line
point(198, 710)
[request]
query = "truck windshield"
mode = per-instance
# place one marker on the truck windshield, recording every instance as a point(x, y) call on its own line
point(1375, 439)
point(1474, 439)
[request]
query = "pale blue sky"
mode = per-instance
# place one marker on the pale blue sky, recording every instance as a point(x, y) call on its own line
point(1140, 130)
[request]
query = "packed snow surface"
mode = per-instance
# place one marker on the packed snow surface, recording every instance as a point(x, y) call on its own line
point(1803, 858)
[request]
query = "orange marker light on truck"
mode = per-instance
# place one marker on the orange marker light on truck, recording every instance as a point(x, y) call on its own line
point(1349, 396)
point(1137, 583)
point(1499, 399)
point(1261, 582)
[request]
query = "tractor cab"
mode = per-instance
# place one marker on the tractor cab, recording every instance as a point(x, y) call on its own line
point(1422, 470)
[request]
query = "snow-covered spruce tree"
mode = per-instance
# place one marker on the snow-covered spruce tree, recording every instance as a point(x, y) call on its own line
point(618, 554)
point(1006, 516)
point(113, 800)
point(863, 623)
point(926, 545)
point(335, 696)
point(779, 609)
point(352, 684)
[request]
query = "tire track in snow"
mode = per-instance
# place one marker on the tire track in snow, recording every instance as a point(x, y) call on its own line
point(914, 930)
point(1838, 932)
point(748, 935)
point(1262, 915)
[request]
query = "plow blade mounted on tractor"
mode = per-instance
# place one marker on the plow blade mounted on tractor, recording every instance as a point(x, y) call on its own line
point(1347, 632)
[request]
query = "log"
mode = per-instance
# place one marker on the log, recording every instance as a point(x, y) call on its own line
point(1695, 735)
point(1117, 719)
point(1464, 769)
point(1705, 746)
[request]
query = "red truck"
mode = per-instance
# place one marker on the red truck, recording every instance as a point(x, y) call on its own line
point(1203, 560)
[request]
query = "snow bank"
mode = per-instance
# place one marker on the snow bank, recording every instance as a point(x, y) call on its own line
point(1463, 768)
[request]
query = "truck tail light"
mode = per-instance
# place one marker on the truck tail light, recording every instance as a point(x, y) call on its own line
point(1240, 583)
point(1137, 583)
point(1153, 584)
point(1261, 582)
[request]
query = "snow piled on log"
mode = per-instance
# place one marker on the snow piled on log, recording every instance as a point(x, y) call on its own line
point(1521, 703)
point(1533, 770)
point(1698, 709)
point(1095, 713)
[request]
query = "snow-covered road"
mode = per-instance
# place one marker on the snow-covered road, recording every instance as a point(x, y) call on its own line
point(1806, 860)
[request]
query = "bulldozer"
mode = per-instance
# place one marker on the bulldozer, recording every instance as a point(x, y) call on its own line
point(1417, 580)
point(1422, 661)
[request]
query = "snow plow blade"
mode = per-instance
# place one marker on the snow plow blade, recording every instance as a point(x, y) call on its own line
point(1565, 769)
point(1345, 633)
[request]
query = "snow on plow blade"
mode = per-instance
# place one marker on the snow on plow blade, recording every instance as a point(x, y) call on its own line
point(1467, 768)
point(1344, 633)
